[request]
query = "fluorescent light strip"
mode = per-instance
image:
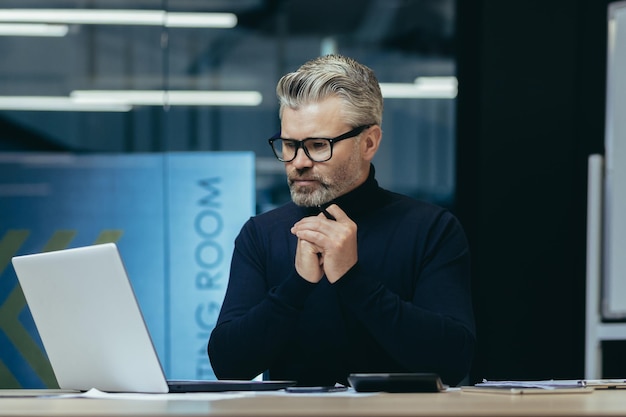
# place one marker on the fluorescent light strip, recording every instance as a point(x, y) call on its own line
point(50, 103)
point(172, 98)
point(406, 90)
point(423, 87)
point(120, 17)
point(32, 29)
point(123, 101)
point(441, 81)
point(200, 20)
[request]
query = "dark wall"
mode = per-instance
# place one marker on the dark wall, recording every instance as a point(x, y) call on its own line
point(17, 138)
point(530, 111)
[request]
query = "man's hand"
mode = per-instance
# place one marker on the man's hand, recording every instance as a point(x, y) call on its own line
point(325, 246)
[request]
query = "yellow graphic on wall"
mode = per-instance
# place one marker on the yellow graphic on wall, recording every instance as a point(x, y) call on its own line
point(15, 337)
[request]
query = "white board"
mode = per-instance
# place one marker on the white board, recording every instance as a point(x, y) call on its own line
point(614, 262)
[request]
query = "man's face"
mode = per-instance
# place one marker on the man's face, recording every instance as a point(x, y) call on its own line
point(315, 183)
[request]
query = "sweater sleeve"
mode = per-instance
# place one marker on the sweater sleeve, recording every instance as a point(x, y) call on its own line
point(255, 321)
point(433, 331)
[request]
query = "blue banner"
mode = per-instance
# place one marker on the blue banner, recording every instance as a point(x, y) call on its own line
point(174, 218)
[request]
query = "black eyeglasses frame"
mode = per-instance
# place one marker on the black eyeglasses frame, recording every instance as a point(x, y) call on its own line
point(300, 143)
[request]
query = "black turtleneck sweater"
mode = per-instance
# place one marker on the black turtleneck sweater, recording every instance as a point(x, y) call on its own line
point(404, 307)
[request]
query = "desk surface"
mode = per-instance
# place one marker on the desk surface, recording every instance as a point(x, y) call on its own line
point(598, 403)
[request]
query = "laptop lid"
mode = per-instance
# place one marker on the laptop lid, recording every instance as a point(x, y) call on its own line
point(92, 328)
point(89, 320)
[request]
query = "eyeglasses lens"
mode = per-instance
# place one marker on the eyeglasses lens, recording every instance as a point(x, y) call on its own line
point(318, 150)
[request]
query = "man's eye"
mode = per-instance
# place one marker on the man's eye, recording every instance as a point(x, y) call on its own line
point(319, 144)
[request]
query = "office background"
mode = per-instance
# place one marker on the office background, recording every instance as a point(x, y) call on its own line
point(508, 154)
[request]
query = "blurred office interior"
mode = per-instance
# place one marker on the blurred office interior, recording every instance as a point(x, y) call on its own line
point(226, 71)
point(513, 105)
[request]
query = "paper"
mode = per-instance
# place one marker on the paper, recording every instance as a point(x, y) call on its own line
point(198, 396)
point(549, 384)
point(97, 394)
point(556, 383)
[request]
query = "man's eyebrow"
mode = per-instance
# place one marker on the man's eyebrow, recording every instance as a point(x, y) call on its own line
point(278, 136)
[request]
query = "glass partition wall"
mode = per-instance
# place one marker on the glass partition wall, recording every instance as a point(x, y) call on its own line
point(141, 76)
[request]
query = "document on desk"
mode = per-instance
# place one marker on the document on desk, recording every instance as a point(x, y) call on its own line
point(605, 383)
point(97, 394)
point(530, 387)
point(558, 383)
point(188, 396)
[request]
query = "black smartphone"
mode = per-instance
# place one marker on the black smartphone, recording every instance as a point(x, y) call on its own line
point(396, 382)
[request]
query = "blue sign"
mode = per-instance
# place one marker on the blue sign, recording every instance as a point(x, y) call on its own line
point(174, 218)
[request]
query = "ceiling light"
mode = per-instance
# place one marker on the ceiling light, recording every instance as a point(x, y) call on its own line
point(32, 29)
point(423, 87)
point(440, 81)
point(124, 100)
point(52, 103)
point(171, 98)
point(200, 20)
point(120, 17)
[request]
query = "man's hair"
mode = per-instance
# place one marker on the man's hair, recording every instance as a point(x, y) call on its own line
point(334, 76)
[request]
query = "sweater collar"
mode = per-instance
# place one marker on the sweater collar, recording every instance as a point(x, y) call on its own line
point(363, 199)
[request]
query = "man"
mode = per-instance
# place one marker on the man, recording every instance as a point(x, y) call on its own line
point(348, 277)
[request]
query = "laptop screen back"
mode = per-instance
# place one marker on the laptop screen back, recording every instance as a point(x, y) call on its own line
point(89, 321)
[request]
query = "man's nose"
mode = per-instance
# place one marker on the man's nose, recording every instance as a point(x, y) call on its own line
point(301, 160)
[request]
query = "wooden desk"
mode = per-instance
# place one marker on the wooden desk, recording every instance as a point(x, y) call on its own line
point(454, 404)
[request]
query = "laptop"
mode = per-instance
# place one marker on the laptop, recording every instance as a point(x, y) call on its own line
point(92, 328)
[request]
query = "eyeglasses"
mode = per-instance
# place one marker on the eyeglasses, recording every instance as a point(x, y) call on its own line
point(317, 149)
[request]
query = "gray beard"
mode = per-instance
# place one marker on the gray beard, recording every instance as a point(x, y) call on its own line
point(342, 181)
point(313, 199)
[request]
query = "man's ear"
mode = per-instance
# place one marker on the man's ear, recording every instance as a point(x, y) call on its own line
point(371, 142)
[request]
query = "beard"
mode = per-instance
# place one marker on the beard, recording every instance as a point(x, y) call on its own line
point(328, 187)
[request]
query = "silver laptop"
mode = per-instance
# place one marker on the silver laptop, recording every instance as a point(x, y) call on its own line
point(92, 328)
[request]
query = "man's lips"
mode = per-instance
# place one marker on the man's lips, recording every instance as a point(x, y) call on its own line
point(303, 181)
